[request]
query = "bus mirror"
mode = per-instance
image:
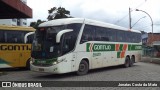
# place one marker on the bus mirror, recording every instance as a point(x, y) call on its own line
point(59, 34)
point(26, 36)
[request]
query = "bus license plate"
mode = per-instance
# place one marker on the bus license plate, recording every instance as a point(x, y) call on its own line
point(41, 69)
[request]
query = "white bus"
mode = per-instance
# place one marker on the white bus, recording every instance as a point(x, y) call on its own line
point(78, 45)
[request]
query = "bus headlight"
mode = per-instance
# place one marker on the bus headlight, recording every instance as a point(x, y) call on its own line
point(59, 61)
point(54, 63)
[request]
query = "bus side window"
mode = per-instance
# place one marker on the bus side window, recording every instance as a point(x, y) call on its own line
point(101, 34)
point(14, 37)
point(67, 44)
point(88, 34)
point(121, 36)
point(139, 38)
point(111, 34)
point(98, 34)
point(2, 39)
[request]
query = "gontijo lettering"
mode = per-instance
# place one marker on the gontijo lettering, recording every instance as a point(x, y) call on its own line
point(102, 47)
point(14, 47)
point(94, 47)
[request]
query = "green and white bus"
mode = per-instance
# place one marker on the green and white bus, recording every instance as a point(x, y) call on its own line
point(78, 45)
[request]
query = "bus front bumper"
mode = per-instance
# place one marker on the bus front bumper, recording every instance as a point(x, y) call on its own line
point(49, 69)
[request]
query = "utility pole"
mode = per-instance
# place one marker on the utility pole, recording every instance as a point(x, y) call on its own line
point(130, 18)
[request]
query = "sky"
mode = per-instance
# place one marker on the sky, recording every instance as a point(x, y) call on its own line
point(109, 11)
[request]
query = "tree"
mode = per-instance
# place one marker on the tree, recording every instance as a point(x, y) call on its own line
point(35, 24)
point(57, 13)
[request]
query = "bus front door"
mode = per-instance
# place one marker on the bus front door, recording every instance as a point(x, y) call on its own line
point(97, 59)
point(73, 61)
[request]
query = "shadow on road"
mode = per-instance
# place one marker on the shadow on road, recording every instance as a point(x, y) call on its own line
point(55, 76)
point(5, 71)
point(12, 69)
point(109, 69)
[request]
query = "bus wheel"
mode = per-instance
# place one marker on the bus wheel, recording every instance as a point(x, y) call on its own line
point(127, 62)
point(131, 61)
point(83, 68)
point(28, 64)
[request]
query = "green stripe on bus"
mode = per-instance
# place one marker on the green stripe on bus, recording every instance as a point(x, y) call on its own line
point(134, 47)
point(98, 47)
point(118, 54)
point(121, 47)
point(48, 61)
point(87, 47)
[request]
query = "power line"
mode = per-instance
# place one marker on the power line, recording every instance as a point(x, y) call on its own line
point(144, 27)
point(128, 13)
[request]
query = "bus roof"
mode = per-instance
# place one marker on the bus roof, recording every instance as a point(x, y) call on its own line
point(86, 21)
point(20, 28)
point(61, 22)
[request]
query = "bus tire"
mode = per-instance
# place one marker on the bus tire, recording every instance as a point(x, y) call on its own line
point(83, 68)
point(28, 64)
point(127, 62)
point(131, 61)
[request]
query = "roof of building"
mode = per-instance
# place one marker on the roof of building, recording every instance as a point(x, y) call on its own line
point(14, 9)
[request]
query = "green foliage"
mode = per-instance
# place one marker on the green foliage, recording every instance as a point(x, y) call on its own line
point(59, 12)
point(54, 13)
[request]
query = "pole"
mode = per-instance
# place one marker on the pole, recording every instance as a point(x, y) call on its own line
point(130, 18)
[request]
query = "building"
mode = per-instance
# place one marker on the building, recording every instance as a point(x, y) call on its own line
point(151, 44)
point(17, 21)
point(148, 39)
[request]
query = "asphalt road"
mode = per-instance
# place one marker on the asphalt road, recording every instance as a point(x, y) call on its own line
point(139, 72)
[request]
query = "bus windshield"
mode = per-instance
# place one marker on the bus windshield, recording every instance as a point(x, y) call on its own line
point(45, 45)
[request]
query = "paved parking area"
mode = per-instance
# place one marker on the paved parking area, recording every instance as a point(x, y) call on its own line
point(139, 72)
